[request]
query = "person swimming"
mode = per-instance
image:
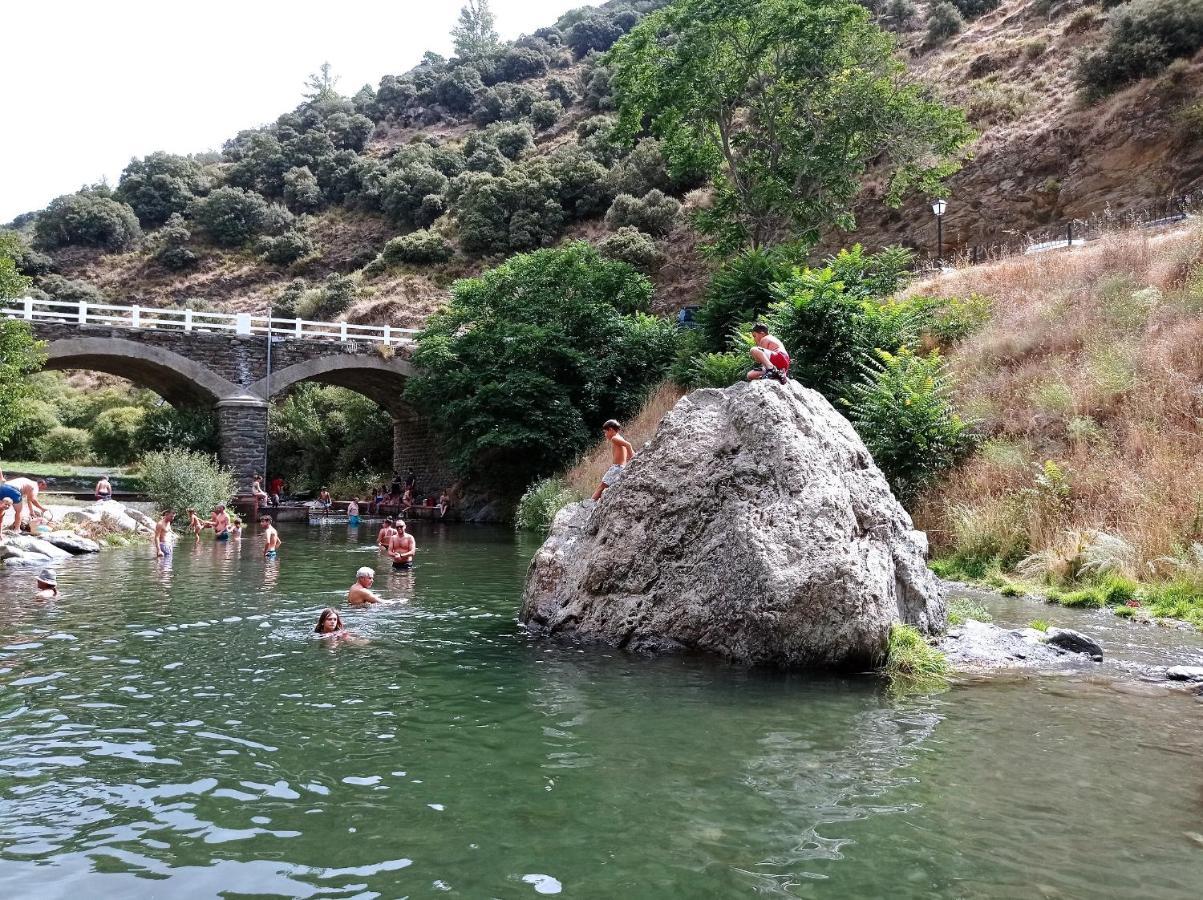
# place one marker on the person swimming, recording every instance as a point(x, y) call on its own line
point(329, 623)
point(361, 591)
point(47, 586)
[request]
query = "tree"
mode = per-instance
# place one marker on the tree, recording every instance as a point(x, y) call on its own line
point(475, 34)
point(158, 185)
point(785, 104)
point(529, 359)
point(231, 216)
point(12, 282)
point(91, 218)
point(321, 86)
point(20, 357)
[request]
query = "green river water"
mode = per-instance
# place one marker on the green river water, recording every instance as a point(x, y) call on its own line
point(176, 731)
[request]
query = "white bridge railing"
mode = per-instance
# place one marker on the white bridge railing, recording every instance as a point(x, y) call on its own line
point(190, 320)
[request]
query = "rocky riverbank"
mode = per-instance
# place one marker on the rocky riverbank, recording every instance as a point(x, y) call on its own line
point(73, 531)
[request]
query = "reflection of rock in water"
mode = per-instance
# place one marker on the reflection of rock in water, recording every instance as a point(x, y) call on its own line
point(813, 785)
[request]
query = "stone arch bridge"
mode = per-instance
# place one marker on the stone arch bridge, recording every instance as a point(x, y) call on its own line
point(220, 362)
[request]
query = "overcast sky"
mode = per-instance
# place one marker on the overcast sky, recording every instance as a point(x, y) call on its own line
point(88, 84)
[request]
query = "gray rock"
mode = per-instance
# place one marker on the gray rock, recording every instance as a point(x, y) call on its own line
point(1073, 641)
point(71, 542)
point(983, 647)
point(27, 558)
point(754, 526)
point(1184, 673)
point(29, 544)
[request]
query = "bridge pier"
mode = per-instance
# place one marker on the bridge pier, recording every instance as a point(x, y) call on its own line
point(242, 438)
point(416, 447)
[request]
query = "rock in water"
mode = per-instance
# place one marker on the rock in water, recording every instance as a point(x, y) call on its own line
point(1074, 642)
point(756, 526)
point(71, 542)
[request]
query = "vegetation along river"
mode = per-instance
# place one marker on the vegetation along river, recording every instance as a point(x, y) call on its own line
point(177, 731)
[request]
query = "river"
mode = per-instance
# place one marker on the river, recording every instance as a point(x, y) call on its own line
point(176, 731)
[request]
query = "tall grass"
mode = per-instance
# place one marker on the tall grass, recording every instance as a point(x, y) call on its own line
point(912, 664)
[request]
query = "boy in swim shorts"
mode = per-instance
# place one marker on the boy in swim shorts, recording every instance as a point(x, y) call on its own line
point(271, 538)
point(163, 535)
point(622, 453)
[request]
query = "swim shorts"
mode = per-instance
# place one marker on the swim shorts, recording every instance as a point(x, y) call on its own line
point(353, 520)
point(612, 475)
point(223, 536)
point(165, 548)
point(7, 491)
point(270, 554)
point(399, 566)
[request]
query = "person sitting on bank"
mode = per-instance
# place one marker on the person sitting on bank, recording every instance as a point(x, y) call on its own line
point(104, 489)
point(401, 548)
point(361, 591)
point(444, 504)
point(163, 535)
point(377, 499)
point(260, 495)
point(385, 534)
point(220, 523)
point(271, 537)
point(47, 585)
point(622, 452)
point(772, 361)
point(276, 489)
point(407, 500)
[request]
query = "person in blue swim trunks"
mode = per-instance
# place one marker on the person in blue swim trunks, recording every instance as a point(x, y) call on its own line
point(220, 523)
point(353, 513)
point(23, 493)
point(164, 537)
point(271, 538)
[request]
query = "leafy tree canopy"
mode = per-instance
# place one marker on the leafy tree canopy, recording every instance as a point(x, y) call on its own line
point(20, 357)
point(475, 34)
point(786, 103)
point(528, 360)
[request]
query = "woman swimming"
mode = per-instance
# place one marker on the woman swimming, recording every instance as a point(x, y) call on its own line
point(329, 623)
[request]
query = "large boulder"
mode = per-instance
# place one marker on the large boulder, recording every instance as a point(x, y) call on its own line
point(73, 543)
point(755, 526)
point(29, 544)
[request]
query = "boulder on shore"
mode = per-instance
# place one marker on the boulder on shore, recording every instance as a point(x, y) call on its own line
point(754, 526)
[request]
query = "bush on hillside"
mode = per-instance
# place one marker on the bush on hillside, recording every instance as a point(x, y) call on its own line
point(654, 212)
point(28, 261)
point(404, 192)
point(643, 169)
point(971, 9)
point(943, 21)
point(302, 193)
point(545, 113)
point(349, 131)
point(561, 90)
point(458, 89)
point(71, 290)
point(597, 31)
point(231, 216)
point(177, 479)
point(421, 247)
point(114, 433)
point(740, 293)
point(171, 250)
point(902, 409)
point(518, 64)
point(542, 501)
point(506, 102)
point(63, 445)
point(1142, 38)
point(510, 140)
point(327, 302)
point(632, 246)
point(529, 359)
point(88, 218)
point(286, 248)
point(160, 185)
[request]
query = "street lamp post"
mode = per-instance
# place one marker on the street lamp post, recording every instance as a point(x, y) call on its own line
point(939, 207)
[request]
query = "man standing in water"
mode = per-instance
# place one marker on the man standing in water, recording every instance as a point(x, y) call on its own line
point(401, 548)
point(772, 361)
point(361, 590)
point(220, 523)
point(622, 450)
point(271, 538)
point(163, 535)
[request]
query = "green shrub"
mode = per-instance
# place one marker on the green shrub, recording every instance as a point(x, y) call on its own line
point(1011, 589)
point(952, 319)
point(286, 248)
point(903, 411)
point(418, 248)
point(645, 169)
point(302, 193)
point(71, 290)
point(654, 212)
point(717, 370)
point(114, 433)
point(166, 426)
point(1178, 599)
point(231, 216)
point(1088, 598)
point(911, 663)
point(458, 89)
point(632, 246)
point(1140, 39)
point(545, 113)
point(172, 251)
point(961, 609)
point(597, 31)
point(1117, 590)
point(740, 292)
point(1039, 624)
point(159, 186)
point(518, 64)
point(329, 301)
point(62, 444)
point(28, 422)
point(404, 192)
point(538, 507)
point(943, 21)
point(177, 479)
point(89, 218)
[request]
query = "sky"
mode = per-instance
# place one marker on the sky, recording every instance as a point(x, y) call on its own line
point(92, 84)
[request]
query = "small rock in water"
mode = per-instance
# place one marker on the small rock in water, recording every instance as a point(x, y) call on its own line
point(1184, 673)
point(1074, 642)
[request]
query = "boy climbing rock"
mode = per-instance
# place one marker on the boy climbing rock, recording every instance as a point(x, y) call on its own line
point(771, 359)
point(623, 451)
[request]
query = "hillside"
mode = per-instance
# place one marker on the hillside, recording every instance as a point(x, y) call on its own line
point(535, 115)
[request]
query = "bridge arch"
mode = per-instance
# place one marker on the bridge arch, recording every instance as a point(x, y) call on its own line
point(175, 378)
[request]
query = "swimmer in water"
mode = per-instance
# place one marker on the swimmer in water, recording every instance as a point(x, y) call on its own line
point(361, 591)
point(271, 538)
point(329, 623)
point(47, 586)
point(401, 548)
point(163, 535)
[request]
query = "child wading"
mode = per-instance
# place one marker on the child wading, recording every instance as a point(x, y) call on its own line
point(623, 451)
point(771, 359)
point(271, 538)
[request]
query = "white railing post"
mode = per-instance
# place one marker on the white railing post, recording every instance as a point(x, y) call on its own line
point(387, 336)
point(136, 316)
point(342, 332)
point(29, 309)
point(299, 330)
point(188, 319)
point(83, 312)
